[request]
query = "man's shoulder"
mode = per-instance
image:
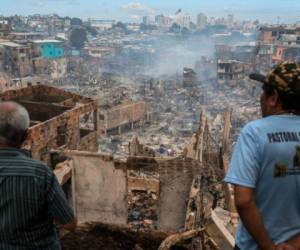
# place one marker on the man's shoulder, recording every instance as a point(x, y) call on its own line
point(24, 165)
point(251, 126)
point(38, 164)
point(39, 168)
point(259, 124)
point(269, 123)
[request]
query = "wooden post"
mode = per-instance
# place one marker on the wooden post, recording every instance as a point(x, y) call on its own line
point(73, 188)
point(179, 237)
point(226, 132)
point(106, 122)
point(229, 196)
point(200, 135)
point(196, 212)
point(132, 118)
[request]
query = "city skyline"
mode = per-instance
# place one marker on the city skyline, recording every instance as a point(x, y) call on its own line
point(133, 11)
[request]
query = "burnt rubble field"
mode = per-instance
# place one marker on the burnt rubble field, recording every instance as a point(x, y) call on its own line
point(172, 133)
point(175, 109)
point(138, 121)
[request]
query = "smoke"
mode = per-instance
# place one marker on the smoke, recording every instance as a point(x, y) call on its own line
point(168, 55)
point(173, 53)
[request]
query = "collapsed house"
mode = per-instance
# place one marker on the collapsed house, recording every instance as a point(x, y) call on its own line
point(176, 200)
point(230, 72)
point(58, 120)
point(140, 201)
point(189, 77)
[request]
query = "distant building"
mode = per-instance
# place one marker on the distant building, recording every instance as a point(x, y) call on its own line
point(48, 58)
point(245, 52)
point(271, 34)
point(101, 24)
point(48, 49)
point(223, 52)
point(25, 36)
point(99, 51)
point(16, 59)
point(290, 39)
point(163, 21)
point(201, 21)
point(5, 28)
point(183, 20)
point(230, 20)
point(189, 77)
point(230, 72)
point(133, 26)
point(146, 20)
point(160, 20)
point(286, 52)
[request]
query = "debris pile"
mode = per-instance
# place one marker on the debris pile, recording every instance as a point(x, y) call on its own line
point(142, 210)
point(97, 236)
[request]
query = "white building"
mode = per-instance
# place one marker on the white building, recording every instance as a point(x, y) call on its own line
point(183, 20)
point(146, 20)
point(102, 24)
point(163, 21)
point(201, 21)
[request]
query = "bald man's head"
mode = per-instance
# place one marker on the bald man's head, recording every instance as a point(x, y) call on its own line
point(14, 121)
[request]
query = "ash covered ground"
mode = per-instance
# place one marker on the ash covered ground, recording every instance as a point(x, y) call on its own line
point(175, 109)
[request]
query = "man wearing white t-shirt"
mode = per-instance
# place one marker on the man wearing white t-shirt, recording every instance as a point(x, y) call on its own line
point(265, 166)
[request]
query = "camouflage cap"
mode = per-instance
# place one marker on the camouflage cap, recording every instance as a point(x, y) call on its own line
point(284, 77)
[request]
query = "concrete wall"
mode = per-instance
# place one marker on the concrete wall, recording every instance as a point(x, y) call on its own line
point(100, 188)
point(58, 68)
point(175, 176)
point(52, 50)
point(123, 114)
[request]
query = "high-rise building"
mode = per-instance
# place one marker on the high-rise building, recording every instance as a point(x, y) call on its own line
point(230, 20)
point(146, 20)
point(160, 20)
point(183, 20)
point(201, 21)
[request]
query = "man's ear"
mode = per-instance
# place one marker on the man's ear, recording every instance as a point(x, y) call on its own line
point(273, 99)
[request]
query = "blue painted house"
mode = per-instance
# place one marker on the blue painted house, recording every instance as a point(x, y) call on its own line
point(49, 49)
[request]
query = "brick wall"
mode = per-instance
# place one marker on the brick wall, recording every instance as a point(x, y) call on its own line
point(59, 126)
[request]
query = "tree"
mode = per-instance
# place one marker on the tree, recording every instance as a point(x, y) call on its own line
point(91, 30)
point(78, 38)
point(120, 25)
point(175, 28)
point(76, 21)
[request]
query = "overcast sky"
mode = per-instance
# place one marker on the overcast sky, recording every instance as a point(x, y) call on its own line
point(123, 10)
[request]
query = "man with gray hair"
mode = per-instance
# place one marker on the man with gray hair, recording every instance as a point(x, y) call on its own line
point(31, 198)
point(14, 122)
